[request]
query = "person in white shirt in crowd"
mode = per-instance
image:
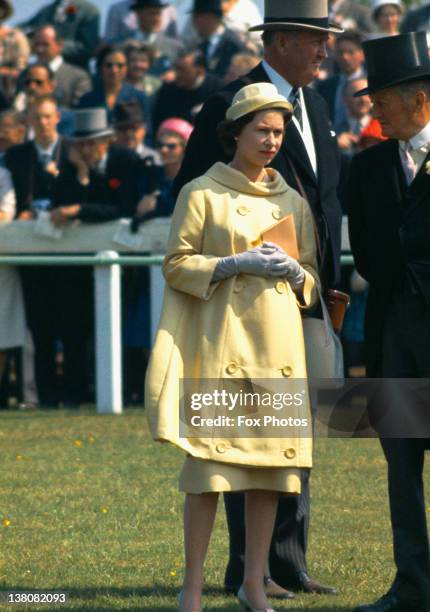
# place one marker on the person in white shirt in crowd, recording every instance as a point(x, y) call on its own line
point(387, 15)
point(71, 82)
point(121, 21)
point(149, 15)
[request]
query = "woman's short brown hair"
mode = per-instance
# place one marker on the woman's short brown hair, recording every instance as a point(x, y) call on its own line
point(230, 129)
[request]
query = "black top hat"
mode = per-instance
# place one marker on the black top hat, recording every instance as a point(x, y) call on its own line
point(207, 6)
point(6, 9)
point(297, 15)
point(395, 59)
point(127, 114)
point(144, 3)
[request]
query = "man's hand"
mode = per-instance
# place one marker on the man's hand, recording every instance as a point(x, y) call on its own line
point(82, 169)
point(25, 215)
point(147, 204)
point(62, 214)
point(347, 139)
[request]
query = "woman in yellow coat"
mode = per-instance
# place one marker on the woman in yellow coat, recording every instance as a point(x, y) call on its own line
point(231, 321)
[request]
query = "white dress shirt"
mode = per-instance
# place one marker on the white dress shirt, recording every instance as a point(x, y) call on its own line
point(284, 88)
point(419, 146)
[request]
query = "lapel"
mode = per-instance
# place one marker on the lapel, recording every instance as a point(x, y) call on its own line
point(418, 189)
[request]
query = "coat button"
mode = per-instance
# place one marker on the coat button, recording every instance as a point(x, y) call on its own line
point(290, 453)
point(222, 447)
point(287, 371)
point(280, 287)
point(231, 368)
point(238, 286)
point(276, 214)
point(243, 210)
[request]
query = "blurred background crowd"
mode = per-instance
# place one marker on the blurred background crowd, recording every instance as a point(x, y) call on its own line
point(97, 102)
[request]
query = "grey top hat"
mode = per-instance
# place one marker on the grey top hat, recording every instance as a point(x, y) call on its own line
point(296, 15)
point(90, 123)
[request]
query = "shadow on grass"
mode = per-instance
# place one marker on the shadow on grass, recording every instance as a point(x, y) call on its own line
point(87, 596)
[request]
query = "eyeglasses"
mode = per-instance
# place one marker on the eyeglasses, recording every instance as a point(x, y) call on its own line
point(115, 65)
point(29, 81)
point(167, 145)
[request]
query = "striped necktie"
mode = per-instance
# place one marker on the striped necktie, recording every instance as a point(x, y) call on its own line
point(294, 98)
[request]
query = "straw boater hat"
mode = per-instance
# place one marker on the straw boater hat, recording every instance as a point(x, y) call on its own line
point(297, 15)
point(90, 123)
point(256, 97)
point(392, 60)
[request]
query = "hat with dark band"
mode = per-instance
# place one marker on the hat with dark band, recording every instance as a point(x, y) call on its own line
point(296, 15)
point(90, 123)
point(139, 4)
point(392, 60)
point(207, 6)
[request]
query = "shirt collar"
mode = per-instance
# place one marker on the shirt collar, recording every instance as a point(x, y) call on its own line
point(48, 151)
point(56, 63)
point(283, 86)
point(421, 141)
point(101, 166)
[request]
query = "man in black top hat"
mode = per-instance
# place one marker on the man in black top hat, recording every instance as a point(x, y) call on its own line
point(295, 36)
point(389, 192)
point(218, 44)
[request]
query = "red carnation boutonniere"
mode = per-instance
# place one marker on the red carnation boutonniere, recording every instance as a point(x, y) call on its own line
point(114, 183)
point(71, 10)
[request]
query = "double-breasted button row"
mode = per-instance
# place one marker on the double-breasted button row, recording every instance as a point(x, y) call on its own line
point(290, 453)
point(232, 368)
point(276, 214)
point(239, 285)
point(222, 447)
point(243, 210)
point(280, 287)
point(287, 371)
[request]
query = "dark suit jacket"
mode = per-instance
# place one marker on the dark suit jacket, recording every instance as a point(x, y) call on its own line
point(72, 83)
point(97, 97)
point(204, 149)
point(30, 179)
point(186, 100)
point(228, 45)
point(108, 196)
point(389, 226)
point(79, 29)
point(416, 20)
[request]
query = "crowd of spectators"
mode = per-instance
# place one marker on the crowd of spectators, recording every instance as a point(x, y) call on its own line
point(93, 127)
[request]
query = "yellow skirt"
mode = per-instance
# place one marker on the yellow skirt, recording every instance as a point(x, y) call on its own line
point(205, 476)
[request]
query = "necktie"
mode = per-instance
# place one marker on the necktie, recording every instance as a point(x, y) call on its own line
point(409, 166)
point(297, 107)
point(45, 158)
point(204, 48)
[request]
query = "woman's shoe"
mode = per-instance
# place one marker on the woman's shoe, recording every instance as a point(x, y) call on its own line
point(243, 600)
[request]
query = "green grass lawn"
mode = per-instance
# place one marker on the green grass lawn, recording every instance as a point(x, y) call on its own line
point(89, 506)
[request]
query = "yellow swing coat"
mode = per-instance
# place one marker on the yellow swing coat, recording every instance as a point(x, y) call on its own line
point(244, 327)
